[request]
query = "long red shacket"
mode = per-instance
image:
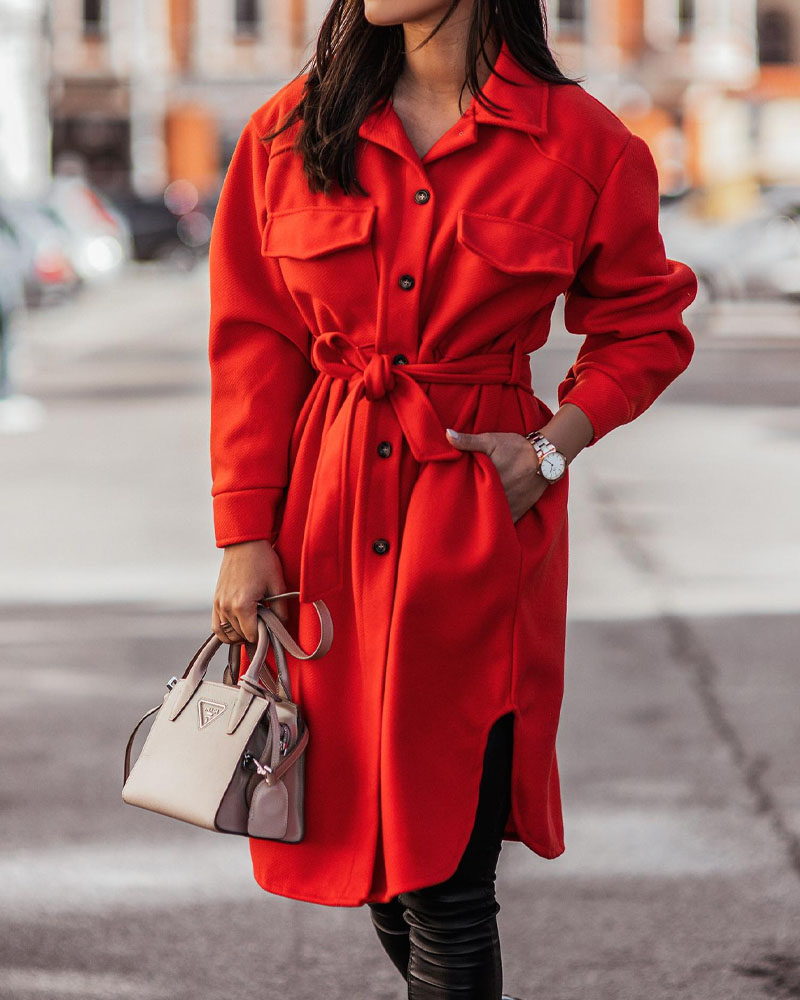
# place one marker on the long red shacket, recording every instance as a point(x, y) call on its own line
point(347, 332)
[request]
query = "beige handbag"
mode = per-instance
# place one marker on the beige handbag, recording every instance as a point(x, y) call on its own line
point(230, 756)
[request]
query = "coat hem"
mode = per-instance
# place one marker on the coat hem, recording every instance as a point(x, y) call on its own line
point(546, 852)
point(538, 849)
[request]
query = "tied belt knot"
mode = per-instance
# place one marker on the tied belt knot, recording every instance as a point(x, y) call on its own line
point(376, 376)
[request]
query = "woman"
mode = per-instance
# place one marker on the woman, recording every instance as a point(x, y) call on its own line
point(383, 263)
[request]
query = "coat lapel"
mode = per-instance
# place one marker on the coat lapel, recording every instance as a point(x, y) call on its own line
point(516, 99)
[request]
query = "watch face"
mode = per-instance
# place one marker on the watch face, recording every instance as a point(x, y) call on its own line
point(553, 465)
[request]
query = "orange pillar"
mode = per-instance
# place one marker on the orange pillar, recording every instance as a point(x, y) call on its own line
point(181, 19)
point(191, 135)
point(629, 26)
point(297, 27)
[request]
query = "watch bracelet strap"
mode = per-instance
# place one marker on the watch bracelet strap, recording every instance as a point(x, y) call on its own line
point(543, 450)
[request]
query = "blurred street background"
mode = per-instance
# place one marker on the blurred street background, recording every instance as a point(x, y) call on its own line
point(680, 736)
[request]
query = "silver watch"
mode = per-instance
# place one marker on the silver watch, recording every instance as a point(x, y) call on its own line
point(552, 464)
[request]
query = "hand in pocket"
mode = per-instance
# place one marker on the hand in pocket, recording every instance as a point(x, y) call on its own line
point(515, 461)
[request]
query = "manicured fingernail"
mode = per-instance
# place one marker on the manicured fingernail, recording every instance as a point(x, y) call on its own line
point(453, 433)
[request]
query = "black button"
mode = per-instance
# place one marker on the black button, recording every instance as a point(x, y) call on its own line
point(381, 546)
point(399, 359)
point(421, 196)
point(406, 281)
point(385, 449)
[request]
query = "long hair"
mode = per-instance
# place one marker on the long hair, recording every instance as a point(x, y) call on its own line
point(356, 65)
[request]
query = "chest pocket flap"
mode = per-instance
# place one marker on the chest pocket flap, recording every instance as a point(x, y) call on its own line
point(514, 246)
point(305, 233)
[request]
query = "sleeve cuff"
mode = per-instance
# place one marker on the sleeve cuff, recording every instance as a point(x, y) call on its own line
point(246, 515)
point(600, 397)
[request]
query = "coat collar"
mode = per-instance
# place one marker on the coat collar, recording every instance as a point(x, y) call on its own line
point(525, 97)
point(522, 97)
point(523, 100)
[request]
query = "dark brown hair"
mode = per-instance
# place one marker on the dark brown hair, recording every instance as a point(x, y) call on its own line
point(357, 63)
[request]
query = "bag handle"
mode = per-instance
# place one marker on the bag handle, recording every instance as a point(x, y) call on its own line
point(325, 627)
point(280, 639)
point(258, 679)
point(198, 665)
point(268, 622)
point(197, 669)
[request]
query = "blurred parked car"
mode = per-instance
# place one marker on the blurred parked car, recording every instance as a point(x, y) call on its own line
point(100, 237)
point(753, 257)
point(174, 228)
point(43, 243)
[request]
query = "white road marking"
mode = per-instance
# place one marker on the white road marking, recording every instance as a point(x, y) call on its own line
point(635, 840)
point(60, 983)
point(95, 877)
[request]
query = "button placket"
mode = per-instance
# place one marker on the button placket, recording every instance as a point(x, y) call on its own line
point(382, 479)
point(403, 321)
point(398, 326)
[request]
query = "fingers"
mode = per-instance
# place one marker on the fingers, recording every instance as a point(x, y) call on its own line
point(249, 571)
point(229, 633)
point(234, 623)
point(280, 606)
point(247, 622)
point(471, 442)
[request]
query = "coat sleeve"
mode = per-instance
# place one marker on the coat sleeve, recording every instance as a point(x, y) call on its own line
point(626, 301)
point(258, 353)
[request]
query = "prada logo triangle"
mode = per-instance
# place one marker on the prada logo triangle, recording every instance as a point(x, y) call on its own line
point(209, 710)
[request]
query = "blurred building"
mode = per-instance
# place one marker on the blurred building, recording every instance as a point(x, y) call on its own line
point(143, 92)
point(147, 91)
point(24, 113)
point(712, 85)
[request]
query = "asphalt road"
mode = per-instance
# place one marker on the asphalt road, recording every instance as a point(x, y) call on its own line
point(679, 738)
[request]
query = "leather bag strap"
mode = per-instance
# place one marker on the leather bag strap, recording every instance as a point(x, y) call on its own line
point(276, 773)
point(277, 626)
point(280, 639)
point(129, 747)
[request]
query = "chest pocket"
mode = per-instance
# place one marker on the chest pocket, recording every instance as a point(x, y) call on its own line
point(514, 246)
point(307, 233)
point(498, 253)
point(325, 254)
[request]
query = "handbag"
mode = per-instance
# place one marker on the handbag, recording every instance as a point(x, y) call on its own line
point(229, 756)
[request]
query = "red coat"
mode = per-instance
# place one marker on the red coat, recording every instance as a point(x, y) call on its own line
point(346, 333)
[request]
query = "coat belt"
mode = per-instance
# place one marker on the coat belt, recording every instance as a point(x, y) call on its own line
point(376, 376)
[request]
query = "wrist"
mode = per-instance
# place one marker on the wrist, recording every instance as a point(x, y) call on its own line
point(560, 440)
point(247, 543)
point(535, 465)
point(569, 429)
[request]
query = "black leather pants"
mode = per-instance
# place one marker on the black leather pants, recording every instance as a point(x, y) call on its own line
point(444, 938)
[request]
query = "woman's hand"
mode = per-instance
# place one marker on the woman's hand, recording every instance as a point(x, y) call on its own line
point(250, 572)
point(570, 430)
point(515, 461)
